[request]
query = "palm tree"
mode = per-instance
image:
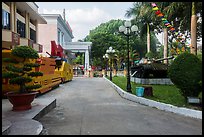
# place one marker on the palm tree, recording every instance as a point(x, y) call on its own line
point(185, 20)
point(142, 13)
point(193, 29)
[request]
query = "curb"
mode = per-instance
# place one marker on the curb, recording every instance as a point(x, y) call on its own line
point(158, 105)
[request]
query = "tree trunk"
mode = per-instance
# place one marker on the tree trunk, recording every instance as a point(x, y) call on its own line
point(148, 38)
point(193, 30)
point(165, 45)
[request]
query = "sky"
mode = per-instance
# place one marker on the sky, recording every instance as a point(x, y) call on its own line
point(85, 16)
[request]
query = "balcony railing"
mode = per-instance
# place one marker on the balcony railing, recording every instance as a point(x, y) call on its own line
point(26, 42)
point(38, 47)
point(15, 38)
point(10, 39)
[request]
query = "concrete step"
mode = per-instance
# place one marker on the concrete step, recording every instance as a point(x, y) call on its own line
point(6, 125)
point(26, 127)
point(24, 122)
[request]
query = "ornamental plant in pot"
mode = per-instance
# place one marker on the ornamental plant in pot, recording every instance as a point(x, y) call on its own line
point(19, 71)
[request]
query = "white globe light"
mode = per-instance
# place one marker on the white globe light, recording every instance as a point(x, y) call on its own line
point(113, 51)
point(107, 51)
point(110, 48)
point(134, 28)
point(127, 23)
point(121, 28)
point(106, 55)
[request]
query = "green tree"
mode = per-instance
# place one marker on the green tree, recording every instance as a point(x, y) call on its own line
point(143, 17)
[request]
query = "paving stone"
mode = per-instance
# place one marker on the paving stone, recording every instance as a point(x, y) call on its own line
point(26, 127)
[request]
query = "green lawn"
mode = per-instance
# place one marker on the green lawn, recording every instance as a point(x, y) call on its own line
point(168, 94)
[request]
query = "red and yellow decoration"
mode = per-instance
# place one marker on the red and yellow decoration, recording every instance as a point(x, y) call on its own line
point(181, 41)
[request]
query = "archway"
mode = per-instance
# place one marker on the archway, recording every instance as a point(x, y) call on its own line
point(81, 47)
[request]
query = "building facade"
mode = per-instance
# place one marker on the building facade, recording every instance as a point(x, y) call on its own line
point(57, 29)
point(20, 25)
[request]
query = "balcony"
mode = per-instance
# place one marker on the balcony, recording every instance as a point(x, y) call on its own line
point(10, 39)
point(26, 42)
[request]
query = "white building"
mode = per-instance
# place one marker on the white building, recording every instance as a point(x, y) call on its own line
point(57, 29)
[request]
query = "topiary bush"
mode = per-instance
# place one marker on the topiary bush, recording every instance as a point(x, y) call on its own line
point(186, 73)
point(19, 71)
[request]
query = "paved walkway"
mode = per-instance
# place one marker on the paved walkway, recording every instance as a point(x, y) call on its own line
point(91, 106)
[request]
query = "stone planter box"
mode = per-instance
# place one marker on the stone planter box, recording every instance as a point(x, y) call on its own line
point(193, 100)
point(153, 81)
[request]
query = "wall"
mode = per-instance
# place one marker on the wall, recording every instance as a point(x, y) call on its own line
point(47, 33)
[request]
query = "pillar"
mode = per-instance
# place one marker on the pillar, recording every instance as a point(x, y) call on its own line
point(165, 45)
point(86, 59)
point(27, 24)
point(13, 17)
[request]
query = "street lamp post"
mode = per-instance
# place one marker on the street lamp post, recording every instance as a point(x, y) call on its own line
point(106, 57)
point(111, 52)
point(127, 29)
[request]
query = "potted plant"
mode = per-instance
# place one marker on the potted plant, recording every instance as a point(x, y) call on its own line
point(19, 71)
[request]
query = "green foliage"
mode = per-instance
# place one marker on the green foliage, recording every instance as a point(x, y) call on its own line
point(30, 87)
point(34, 74)
point(9, 60)
point(186, 73)
point(200, 95)
point(20, 73)
point(20, 80)
point(151, 55)
point(106, 35)
point(162, 93)
point(9, 75)
point(25, 52)
point(199, 55)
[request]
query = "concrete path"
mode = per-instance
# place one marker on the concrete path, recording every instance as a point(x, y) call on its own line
point(91, 106)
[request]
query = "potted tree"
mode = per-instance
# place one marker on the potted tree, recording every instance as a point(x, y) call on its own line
point(19, 71)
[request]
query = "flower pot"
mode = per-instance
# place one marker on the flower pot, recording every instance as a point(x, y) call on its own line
point(21, 101)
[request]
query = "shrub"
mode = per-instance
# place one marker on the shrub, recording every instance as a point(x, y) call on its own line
point(186, 73)
point(19, 71)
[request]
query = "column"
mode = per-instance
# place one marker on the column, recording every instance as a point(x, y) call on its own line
point(87, 59)
point(27, 24)
point(36, 29)
point(13, 17)
point(165, 45)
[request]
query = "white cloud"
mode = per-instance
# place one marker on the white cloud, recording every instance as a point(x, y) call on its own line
point(83, 20)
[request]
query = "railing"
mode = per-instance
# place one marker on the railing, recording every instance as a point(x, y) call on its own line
point(26, 42)
point(30, 42)
point(38, 47)
point(10, 37)
point(15, 38)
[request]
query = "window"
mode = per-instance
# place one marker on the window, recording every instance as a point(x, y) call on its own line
point(58, 36)
point(21, 28)
point(62, 41)
point(5, 20)
point(33, 35)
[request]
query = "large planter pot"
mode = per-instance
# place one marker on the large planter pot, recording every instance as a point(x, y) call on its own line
point(21, 101)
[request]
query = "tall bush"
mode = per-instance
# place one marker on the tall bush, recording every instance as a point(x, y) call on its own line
point(186, 73)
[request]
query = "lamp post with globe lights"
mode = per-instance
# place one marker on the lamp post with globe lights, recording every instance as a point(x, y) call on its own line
point(127, 30)
point(110, 52)
point(105, 57)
